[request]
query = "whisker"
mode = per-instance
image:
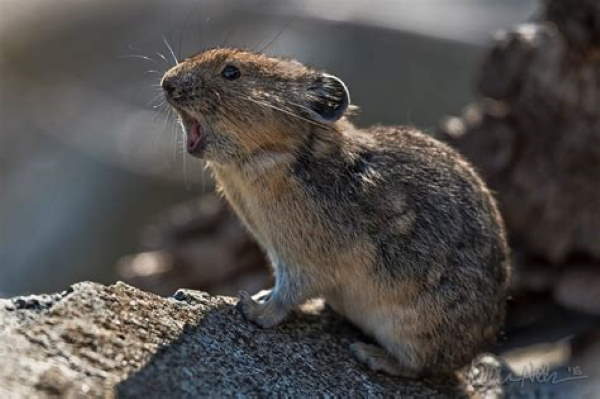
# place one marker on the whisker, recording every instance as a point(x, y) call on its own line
point(274, 39)
point(138, 56)
point(227, 37)
point(170, 49)
point(285, 112)
point(160, 113)
point(241, 140)
point(156, 97)
point(300, 106)
point(161, 55)
point(180, 44)
point(184, 168)
point(258, 148)
point(177, 131)
point(281, 110)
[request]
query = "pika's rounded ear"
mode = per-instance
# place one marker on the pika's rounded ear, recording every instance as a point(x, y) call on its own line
point(328, 98)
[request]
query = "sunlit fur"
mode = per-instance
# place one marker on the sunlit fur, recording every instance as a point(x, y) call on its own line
point(393, 228)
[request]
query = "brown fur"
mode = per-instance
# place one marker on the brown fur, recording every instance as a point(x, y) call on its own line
point(393, 228)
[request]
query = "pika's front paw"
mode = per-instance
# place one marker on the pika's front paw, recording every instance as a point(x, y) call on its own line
point(265, 313)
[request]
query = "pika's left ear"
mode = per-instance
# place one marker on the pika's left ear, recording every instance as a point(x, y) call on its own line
point(328, 97)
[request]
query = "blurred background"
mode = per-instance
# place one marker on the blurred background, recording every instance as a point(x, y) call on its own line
point(94, 184)
point(88, 157)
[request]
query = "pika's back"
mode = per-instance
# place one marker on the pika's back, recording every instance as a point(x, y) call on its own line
point(418, 198)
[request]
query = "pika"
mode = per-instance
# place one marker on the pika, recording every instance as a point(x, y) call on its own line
point(395, 230)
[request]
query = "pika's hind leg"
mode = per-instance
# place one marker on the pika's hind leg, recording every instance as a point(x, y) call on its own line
point(378, 359)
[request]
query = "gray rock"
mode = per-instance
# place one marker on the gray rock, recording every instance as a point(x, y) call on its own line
point(98, 341)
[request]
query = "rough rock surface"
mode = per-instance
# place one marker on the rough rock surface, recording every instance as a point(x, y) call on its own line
point(118, 341)
point(98, 341)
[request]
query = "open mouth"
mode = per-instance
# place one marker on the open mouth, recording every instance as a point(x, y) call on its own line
point(196, 138)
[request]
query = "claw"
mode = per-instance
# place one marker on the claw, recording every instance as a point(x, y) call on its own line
point(259, 313)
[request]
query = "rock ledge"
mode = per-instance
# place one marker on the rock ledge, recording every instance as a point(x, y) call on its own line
point(105, 341)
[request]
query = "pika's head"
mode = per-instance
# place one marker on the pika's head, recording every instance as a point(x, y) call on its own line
point(234, 103)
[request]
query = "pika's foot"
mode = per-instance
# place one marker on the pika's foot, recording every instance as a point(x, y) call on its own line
point(263, 312)
point(376, 358)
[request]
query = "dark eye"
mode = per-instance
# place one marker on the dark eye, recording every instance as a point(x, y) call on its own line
point(230, 72)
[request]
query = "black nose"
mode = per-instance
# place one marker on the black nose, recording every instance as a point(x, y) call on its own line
point(168, 86)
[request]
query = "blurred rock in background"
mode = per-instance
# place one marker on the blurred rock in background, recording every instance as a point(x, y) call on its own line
point(534, 133)
point(198, 244)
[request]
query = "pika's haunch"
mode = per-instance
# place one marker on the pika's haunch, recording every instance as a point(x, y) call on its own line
point(393, 228)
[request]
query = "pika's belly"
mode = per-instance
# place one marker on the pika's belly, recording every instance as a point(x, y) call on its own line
point(383, 315)
point(357, 307)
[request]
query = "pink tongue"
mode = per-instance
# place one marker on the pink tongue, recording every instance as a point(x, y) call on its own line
point(194, 137)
